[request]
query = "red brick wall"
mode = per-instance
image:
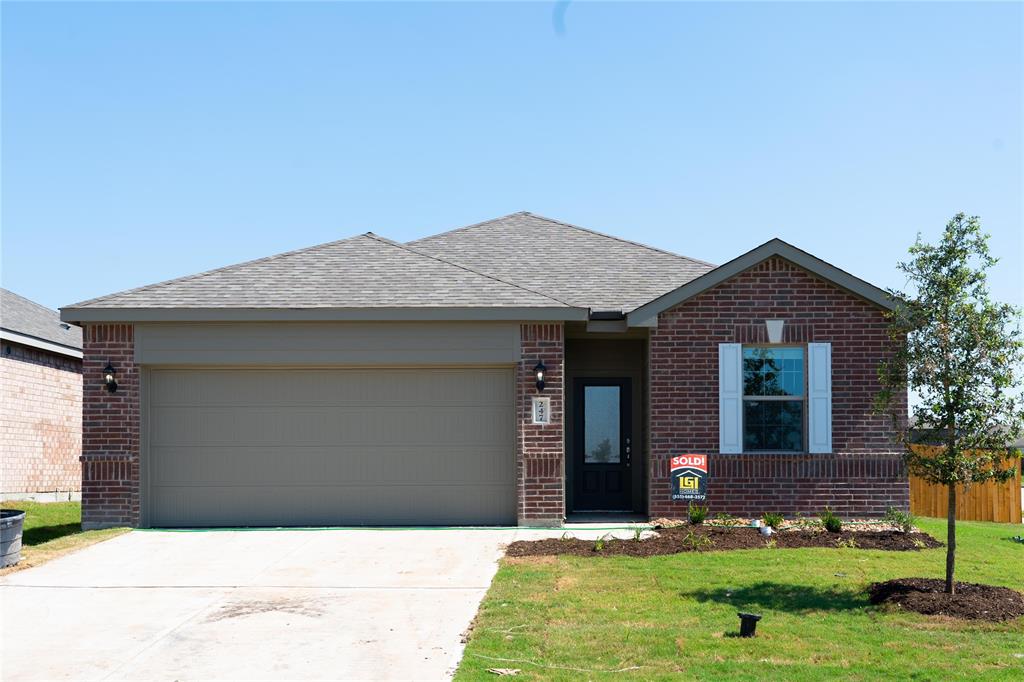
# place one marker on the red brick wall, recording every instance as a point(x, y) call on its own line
point(41, 421)
point(541, 448)
point(862, 476)
point(110, 433)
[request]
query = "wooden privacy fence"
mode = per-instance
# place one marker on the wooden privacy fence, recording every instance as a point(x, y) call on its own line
point(989, 501)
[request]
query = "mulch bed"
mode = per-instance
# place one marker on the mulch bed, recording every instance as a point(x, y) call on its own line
point(717, 538)
point(971, 601)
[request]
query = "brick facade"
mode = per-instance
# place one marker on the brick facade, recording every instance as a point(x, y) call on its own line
point(862, 476)
point(540, 457)
point(41, 421)
point(110, 434)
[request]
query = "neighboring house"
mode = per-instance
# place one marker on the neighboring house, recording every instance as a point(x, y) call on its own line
point(367, 381)
point(41, 397)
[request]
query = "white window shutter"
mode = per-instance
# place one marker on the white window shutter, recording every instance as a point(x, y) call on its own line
point(730, 398)
point(819, 397)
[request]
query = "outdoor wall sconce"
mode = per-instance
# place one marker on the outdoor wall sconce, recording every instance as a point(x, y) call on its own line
point(108, 378)
point(539, 371)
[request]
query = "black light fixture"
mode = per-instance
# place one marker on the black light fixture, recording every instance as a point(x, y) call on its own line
point(539, 371)
point(108, 378)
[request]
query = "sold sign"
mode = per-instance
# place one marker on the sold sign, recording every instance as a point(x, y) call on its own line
point(689, 477)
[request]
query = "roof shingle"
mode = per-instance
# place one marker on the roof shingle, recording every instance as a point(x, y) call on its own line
point(22, 316)
point(584, 268)
point(366, 271)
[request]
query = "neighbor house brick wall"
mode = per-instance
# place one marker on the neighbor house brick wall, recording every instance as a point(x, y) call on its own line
point(541, 448)
point(40, 421)
point(862, 476)
point(110, 434)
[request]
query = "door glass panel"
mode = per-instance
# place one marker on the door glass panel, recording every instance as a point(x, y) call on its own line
point(601, 424)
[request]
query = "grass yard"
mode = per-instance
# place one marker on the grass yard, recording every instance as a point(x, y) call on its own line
point(674, 617)
point(53, 529)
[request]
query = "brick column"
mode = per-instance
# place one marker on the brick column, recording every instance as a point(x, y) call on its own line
point(110, 428)
point(541, 448)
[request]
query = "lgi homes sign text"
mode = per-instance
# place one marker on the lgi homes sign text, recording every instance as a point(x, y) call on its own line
point(689, 477)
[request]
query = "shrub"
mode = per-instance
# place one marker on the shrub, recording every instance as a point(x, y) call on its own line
point(697, 513)
point(638, 532)
point(726, 519)
point(901, 519)
point(804, 523)
point(772, 519)
point(599, 543)
point(832, 523)
point(697, 542)
point(847, 544)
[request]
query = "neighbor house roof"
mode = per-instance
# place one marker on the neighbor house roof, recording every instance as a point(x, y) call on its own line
point(363, 277)
point(28, 323)
point(646, 314)
point(582, 267)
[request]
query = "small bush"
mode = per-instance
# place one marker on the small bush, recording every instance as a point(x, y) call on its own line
point(727, 520)
point(638, 532)
point(772, 519)
point(697, 542)
point(696, 513)
point(599, 543)
point(771, 543)
point(832, 523)
point(901, 519)
point(804, 523)
point(847, 544)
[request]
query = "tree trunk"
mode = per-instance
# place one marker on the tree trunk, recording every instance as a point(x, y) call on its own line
point(951, 540)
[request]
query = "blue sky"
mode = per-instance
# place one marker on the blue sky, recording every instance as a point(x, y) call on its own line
point(146, 141)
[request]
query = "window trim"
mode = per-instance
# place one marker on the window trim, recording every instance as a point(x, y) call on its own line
point(802, 398)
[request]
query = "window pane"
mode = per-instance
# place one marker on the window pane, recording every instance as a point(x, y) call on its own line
point(773, 425)
point(601, 424)
point(773, 371)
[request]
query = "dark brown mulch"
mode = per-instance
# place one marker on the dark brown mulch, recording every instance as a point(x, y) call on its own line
point(717, 538)
point(972, 601)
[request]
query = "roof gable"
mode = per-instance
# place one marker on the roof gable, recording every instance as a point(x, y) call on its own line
point(648, 314)
point(584, 268)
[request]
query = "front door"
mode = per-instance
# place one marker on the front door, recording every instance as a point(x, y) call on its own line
point(602, 445)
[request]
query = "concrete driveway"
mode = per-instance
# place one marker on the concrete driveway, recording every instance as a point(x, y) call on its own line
point(332, 604)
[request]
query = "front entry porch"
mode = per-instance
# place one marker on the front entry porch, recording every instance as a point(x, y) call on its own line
point(605, 418)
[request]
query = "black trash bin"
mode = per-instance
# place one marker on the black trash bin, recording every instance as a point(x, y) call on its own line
point(11, 521)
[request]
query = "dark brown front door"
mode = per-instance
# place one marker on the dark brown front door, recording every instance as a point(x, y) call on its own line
point(602, 445)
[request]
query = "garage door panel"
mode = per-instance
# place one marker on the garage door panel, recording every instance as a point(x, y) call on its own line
point(330, 446)
point(340, 466)
point(210, 388)
point(305, 426)
point(326, 506)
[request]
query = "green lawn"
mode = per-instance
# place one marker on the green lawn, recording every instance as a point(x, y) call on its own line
point(674, 617)
point(53, 529)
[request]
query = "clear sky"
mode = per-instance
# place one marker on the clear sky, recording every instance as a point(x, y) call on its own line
point(143, 141)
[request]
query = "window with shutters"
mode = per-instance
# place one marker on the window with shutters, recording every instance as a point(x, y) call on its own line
point(774, 398)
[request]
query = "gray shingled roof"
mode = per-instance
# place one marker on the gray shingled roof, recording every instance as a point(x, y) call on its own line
point(366, 271)
point(22, 316)
point(573, 264)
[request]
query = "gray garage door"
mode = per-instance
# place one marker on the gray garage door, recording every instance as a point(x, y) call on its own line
point(329, 447)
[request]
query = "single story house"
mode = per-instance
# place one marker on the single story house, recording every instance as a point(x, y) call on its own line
point(41, 394)
point(520, 370)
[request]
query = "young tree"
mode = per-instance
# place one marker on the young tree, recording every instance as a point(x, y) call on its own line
point(961, 352)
